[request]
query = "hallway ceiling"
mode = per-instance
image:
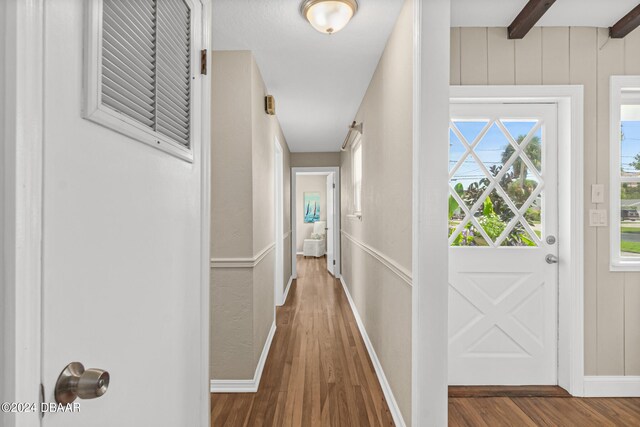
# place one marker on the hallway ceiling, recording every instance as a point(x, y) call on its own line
point(500, 13)
point(318, 80)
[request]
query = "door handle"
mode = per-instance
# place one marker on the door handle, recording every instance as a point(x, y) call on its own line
point(77, 382)
point(551, 259)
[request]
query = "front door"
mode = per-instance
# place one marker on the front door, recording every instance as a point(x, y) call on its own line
point(503, 220)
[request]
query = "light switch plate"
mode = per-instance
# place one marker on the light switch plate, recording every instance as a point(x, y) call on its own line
point(597, 193)
point(598, 218)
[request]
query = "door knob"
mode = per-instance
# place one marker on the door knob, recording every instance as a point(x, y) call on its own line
point(75, 381)
point(551, 259)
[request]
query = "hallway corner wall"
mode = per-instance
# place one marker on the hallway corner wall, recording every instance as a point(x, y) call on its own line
point(242, 242)
point(377, 248)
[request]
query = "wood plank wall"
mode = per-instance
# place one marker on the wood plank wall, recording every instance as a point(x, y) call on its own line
point(586, 56)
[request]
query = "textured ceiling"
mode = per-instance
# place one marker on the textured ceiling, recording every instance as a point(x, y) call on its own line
point(579, 13)
point(318, 80)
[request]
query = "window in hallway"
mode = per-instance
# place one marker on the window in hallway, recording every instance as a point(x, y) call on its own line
point(356, 169)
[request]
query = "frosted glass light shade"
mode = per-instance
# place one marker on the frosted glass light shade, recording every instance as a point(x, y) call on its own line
point(329, 16)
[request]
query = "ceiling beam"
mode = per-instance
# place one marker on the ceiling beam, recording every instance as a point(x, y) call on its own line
point(627, 24)
point(530, 15)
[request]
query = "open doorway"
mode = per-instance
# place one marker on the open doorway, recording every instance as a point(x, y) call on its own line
point(315, 216)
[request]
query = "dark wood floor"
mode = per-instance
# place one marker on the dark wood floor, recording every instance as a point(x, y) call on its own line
point(318, 371)
point(522, 406)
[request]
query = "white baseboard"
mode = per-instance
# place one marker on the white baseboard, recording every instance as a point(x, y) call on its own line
point(386, 387)
point(612, 386)
point(286, 291)
point(246, 386)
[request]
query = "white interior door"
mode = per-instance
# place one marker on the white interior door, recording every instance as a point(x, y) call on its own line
point(330, 221)
point(503, 219)
point(122, 255)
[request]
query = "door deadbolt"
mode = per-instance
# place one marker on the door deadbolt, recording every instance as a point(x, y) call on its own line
point(77, 382)
point(551, 240)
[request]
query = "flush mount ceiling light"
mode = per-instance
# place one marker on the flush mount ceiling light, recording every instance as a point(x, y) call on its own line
point(329, 16)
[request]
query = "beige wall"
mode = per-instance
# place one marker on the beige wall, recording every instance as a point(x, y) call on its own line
point(308, 183)
point(242, 296)
point(315, 159)
point(232, 208)
point(584, 56)
point(382, 294)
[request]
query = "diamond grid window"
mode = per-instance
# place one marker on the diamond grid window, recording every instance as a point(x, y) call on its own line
point(495, 182)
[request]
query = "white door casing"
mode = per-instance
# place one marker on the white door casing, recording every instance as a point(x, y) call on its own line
point(330, 221)
point(279, 223)
point(503, 306)
point(125, 244)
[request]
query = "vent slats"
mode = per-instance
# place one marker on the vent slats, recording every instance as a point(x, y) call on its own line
point(128, 60)
point(174, 70)
point(141, 33)
point(140, 98)
point(146, 64)
point(180, 96)
point(170, 111)
point(116, 104)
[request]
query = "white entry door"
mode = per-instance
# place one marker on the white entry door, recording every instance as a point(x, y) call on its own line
point(330, 220)
point(503, 220)
point(122, 248)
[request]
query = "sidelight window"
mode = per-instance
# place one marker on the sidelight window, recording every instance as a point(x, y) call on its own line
point(625, 173)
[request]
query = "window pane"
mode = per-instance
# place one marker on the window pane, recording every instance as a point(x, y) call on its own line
point(630, 140)
point(630, 220)
point(456, 149)
point(519, 129)
point(357, 177)
point(470, 129)
point(494, 215)
point(505, 144)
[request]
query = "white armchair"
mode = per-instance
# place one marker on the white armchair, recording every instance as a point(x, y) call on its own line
point(316, 247)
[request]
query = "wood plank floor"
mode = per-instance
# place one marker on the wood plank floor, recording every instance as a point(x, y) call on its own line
point(513, 406)
point(318, 372)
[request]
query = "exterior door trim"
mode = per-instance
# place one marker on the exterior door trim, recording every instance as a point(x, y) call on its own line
point(571, 209)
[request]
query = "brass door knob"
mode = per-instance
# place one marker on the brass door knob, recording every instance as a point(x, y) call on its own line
point(77, 382)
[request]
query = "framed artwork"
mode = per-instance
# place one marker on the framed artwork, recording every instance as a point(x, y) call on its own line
point(311, 206)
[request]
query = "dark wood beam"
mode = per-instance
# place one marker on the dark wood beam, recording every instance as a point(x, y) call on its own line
point(530, 15)
point(627, 24)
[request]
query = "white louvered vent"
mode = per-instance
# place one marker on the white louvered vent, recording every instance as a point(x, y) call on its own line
point(146, 65)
